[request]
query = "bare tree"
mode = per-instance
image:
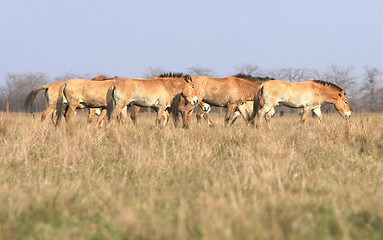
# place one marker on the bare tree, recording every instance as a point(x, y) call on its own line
point(343, 77)
point(17, 87)
point(371, 97)
point(249, 69)
point(152, 72)
point(3, 98)
point(68, 76)
point(316, 74)
point(379, 103)
point(291, 74)
point(200, 71)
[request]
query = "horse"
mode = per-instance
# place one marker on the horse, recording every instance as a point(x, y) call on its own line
point(309, 95)
point(230, 92)
point(51, 96)
point(83, 93)
point(157, 93)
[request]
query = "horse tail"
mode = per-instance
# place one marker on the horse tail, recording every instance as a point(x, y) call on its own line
point(110, 101)
point(258, 102)
point(32, 96)
point(175, 108)
point(59, 104)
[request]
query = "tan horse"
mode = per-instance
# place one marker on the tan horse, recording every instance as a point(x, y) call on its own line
point(157, 93)
point(309, 95)
point(51, 96)
point(230, 92)
point(82, 93)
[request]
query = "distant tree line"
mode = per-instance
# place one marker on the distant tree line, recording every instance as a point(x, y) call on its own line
point(364, 91)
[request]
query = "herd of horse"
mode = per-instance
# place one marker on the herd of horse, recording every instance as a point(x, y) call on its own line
point(254, 98)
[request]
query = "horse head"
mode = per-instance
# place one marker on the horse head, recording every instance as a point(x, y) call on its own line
point(342, 106)
point(189, 92)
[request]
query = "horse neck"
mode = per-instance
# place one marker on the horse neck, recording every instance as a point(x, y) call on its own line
point(330, 95)
point(176, 85)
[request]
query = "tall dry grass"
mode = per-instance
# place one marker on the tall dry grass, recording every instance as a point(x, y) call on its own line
point(311, 181)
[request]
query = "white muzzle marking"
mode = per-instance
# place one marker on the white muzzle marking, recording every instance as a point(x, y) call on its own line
point(206, 107)
point(347, 115)
point(194, 101)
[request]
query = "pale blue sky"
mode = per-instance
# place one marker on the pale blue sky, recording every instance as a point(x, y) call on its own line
point(126, 37)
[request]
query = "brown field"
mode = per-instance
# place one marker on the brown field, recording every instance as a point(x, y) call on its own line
point(311, 181)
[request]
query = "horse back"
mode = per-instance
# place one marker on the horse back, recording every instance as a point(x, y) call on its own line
point(223, 91)
point(92, 93)
point(292, 94)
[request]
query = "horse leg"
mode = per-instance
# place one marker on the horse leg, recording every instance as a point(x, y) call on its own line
point(306, 112)
point(242, 110)
point(134, 114)
point(92, 112)
point(160, 115)
point(48, 111)
point(70, 111)
point(206, 108)
point(205, 115)
point(123, 115)
point(318, 112)
point(230, 111)
point(234, 117)
point(207, 118)
point(203, 112)
point(166, 117)
point(55, 113)
point(269, 115)
point(262, 113)
point(186, 113)
point(116, 112)
point(199, 115)
point(101, 117)
point(54, 117)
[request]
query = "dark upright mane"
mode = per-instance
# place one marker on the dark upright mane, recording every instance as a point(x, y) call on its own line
point(253, 79)
point(175, 75)
point(330, 85)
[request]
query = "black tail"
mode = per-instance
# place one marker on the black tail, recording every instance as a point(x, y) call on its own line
point(110, 101)
point(257, 102)
point(59, 104)
point(177, 104)
point(31, 97)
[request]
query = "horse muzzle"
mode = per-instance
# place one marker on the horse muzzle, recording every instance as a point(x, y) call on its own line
point(194, 101)
point(206, 107)
point(347, 115)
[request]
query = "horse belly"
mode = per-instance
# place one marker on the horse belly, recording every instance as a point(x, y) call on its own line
point(146, 102)
point(216, 102)
point(94, 102)
point(296, 100)
point(289, 104)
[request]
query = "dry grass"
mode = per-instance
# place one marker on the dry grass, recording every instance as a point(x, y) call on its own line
point(312, 181)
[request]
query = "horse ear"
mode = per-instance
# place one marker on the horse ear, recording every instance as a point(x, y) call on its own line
point(188, 79)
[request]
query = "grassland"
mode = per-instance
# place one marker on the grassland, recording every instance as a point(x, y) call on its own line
point(311, 181)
